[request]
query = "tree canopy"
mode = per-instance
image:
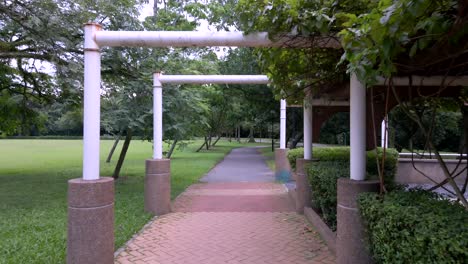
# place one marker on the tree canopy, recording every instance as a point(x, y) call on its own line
point(379, 38)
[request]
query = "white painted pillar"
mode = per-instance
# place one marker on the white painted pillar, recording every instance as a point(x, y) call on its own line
point(307, 129)
point(358, 129)
point(92, 103)
point(283, 124)
point(384, 135)
point(157, 117)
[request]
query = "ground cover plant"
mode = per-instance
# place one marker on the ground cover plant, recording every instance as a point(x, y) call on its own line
point(34, 174)
point(333, 163)
point(415, 226)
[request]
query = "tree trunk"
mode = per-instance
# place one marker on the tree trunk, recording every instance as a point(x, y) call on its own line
point(123, 153)
point(294, 133)
point(216, 141)
point(171, 150)
point(238, 134)
point(116, 142)
point(272, 139)
point(251, 135)
point(198, 150)
point(261, 135)
point(465, 149)
point(207, 142)
point(296, 140)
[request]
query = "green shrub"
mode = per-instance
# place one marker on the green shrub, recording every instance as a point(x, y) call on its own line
point(294, 154)
point(333, 163)
point(390, 166)
point(415, 227)
point(342, 154)
point(323, 184)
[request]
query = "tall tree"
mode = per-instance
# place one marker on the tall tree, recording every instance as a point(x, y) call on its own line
point(41, 52)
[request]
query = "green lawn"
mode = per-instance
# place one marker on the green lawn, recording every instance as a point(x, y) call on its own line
point(269, 156)
point(33, 188)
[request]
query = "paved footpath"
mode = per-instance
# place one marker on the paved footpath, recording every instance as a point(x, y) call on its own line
point(237, 215)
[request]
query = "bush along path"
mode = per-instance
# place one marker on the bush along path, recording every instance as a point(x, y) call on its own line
point(237, 215)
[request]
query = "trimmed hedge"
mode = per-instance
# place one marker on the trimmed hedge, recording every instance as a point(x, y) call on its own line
point(334, 163)
point(415, 227)
point(323, 183)
point(294, 154)
point(342, 154)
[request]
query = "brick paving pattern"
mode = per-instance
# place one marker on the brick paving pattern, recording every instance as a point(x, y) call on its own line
point(248, 222)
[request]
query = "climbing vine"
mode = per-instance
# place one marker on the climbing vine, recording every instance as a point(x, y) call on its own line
point(378, 38)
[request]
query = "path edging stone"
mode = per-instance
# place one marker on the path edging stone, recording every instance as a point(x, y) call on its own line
point(325, 232)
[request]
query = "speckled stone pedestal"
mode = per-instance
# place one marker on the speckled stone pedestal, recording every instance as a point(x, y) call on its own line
point(90, 221)
point(282, 166)
point(302, 185)
point(351, 246)
point(158, 186)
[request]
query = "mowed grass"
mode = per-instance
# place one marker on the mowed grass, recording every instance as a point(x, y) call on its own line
point(269, 157)
point(33, 190)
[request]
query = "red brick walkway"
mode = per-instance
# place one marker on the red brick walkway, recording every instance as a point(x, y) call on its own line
point(228, 223)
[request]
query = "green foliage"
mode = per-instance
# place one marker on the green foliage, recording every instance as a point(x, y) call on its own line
point(293, 155)
point(373, 40)
point(378, 38)
point(335, 130)
point(322, 178)
point(41, 53)
point(415, 227)
point(269, 157)
point(445, 125)
point(251, 105)
point(294, 70)
point(333, 163)
point(341, 154)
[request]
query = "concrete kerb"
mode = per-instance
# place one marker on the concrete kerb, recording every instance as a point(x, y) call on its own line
point(325, 232)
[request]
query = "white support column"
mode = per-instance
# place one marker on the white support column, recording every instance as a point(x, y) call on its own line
point(384, 134)
point(157, 117)
point(307, 129)
point(283, 124)
point(358, 129)
point(92, 104)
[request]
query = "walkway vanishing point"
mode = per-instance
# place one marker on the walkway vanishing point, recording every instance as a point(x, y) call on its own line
point(238, 214)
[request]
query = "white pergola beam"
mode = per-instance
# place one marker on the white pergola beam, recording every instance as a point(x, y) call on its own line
point(95, 39)
point(160, 79)
point(214, 79)
point(203, 39)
